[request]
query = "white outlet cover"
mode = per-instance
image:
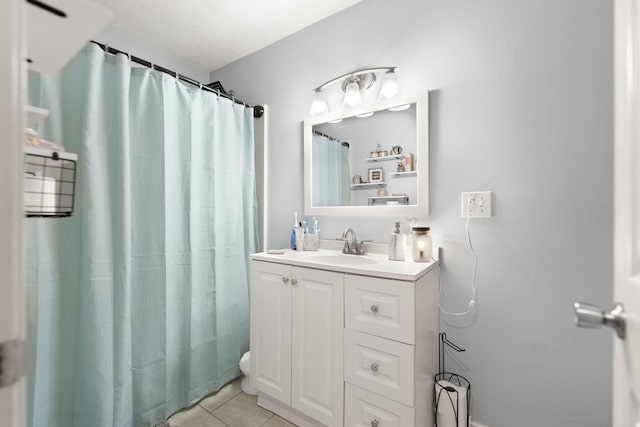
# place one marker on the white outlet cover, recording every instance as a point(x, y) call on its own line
point(481, 204)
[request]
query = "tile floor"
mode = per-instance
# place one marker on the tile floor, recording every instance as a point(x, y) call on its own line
point(229, 407)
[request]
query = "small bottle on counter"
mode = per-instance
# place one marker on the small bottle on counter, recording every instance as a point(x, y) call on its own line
point(422, 246)
point(293, 232)
point(397, 242)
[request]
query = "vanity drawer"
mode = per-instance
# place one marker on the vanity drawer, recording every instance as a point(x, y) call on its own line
point(382, 366)
point(381, 307)
point(366, 409)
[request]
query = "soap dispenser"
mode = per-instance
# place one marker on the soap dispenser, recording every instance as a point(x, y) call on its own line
point(397, 242)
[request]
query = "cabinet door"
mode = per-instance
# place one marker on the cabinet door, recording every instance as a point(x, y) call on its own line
point(271, 329)
point(318, 318)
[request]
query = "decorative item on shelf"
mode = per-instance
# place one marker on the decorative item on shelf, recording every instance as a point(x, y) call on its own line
point(396, 150)
point(32, 140)
point(376, 175)
point(382, 192)
point(374, 154)
point(409, 163)
point(383, 153)
point(353, 84)
point(357, 179)
point(400, 167)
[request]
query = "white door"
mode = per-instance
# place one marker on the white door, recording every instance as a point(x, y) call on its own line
point(271, 329)
point(12, 295)
point(317, 325)
point(626, 388)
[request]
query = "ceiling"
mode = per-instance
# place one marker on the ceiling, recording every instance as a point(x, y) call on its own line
point(213, 33)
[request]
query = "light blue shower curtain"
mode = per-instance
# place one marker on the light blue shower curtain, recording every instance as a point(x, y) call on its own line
point(330, 172)
point(138, 303)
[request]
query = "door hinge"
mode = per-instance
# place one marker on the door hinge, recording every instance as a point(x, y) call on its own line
point(12, 362)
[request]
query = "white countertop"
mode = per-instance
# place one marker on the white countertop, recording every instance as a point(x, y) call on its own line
point(380, 267)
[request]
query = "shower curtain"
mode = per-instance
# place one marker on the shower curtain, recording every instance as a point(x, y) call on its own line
point(138, 303)
point(330, 172)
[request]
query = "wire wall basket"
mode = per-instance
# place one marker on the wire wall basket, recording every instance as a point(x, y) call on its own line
point(49, 183)
point(452, 392)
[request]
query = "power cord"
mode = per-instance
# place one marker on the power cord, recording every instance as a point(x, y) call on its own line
point(472, 302)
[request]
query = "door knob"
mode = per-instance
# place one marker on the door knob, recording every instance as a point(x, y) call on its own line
point(592, 316)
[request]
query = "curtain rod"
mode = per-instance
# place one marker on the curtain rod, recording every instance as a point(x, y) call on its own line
point(344, 143)
point(258, 110)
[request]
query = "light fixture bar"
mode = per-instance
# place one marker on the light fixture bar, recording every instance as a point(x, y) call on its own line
point(354, 73)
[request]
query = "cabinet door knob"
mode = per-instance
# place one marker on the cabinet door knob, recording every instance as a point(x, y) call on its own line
point(294, 282)
point(285, 279)
point(375, 308)
point(374, 367)
point(375, 423)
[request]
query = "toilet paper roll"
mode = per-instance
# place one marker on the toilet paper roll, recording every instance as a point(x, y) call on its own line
point(447, 404)
point(40, 194)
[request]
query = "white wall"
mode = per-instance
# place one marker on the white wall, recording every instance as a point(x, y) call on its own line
point(121, 40)
point(521, 104)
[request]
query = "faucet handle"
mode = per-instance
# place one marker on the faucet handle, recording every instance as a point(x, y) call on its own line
point(360, 248)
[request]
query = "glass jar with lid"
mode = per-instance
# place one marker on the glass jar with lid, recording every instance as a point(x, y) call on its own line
point(421, 245)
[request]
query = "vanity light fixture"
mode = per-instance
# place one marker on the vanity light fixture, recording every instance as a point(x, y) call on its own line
point(389, 87)
point(319, 104)
point(400, 107)
point(352, 95)
point(353, 84)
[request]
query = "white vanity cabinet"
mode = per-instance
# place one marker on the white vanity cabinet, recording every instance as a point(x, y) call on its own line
point(344, 345)
point(296, 340)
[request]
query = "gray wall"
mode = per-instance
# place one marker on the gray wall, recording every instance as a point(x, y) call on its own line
point(520, 104)
point(121, 40)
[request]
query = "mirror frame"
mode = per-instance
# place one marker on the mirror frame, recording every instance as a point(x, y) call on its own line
point(422, 147)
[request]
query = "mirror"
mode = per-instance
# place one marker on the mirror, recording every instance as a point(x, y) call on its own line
point(370, 161)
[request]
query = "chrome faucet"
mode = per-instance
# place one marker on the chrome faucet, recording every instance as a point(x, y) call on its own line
point(352, 246)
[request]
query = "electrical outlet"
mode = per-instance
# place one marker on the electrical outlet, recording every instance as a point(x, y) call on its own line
point(477, 204)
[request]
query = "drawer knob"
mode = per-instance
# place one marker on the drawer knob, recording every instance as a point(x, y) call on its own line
point(285, 279)
point(375, 308)
point(374, 423)
point(294, 282)
point(374, 367)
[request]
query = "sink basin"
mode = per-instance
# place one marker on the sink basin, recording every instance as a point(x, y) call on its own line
point(343, 259)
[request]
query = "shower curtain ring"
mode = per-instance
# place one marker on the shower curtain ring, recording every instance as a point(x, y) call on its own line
point(177, 76)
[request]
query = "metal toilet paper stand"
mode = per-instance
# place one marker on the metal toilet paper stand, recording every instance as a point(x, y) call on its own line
point(447, 396)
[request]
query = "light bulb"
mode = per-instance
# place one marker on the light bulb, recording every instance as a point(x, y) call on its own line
point(352, 95)
point(319, 104)
point(389, 87)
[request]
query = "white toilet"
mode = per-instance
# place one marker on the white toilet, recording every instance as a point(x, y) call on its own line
point(245, 383)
